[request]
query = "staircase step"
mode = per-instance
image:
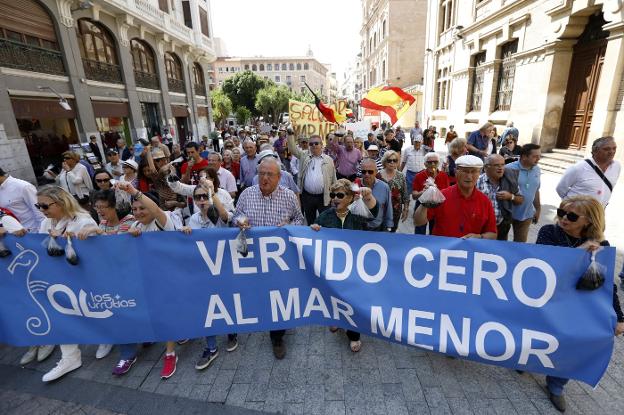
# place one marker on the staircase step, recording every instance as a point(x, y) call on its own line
point(574, 153)
point(563, 158)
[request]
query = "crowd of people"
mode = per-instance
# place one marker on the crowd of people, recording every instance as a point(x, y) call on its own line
point(491, 187)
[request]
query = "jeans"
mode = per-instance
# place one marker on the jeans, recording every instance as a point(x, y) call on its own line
point(409, 178)
point(555, 385)
point(127, 351)
point(503, 230)
point(211, 341)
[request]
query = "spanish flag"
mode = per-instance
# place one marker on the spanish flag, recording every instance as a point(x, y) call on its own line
point(389, 99)
point(330, 114)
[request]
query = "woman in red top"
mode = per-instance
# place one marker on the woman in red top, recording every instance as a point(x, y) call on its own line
point(441, 179)
point(231, 165)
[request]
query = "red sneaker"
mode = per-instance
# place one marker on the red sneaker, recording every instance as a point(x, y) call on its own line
point(169, 366)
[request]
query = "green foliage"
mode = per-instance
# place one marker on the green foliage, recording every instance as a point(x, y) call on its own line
point(243, 114)
point(305, 97)
point(242, 89)
point(221, 106)
point(272, 100)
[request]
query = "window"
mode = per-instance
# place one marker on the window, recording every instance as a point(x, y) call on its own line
point(446, 16)
point(95, 43)
point(163, 5)
point(277, 78)
point(383, 30)
point(276, 66)
point(383, 70)
point(283, 66)
point(298, 66)
point(262, 66)
point(173, 66)
point(254, 67)
point(186, 13)
point(198, 74)
point(306, 66)
point(291, 66)
point(220, 70)
point(288, 79)
point(443, 88)
point(269, 67)
point(478, 70)
point(302, 78)
point(506, 74)
point(142, 57)
point(302, 90)
point(246, 67)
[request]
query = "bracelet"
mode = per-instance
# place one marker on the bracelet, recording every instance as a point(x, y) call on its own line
point(137, 196)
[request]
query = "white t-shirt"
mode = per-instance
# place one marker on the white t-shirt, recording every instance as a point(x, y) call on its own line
point(227, 180)
point(582, 179)
point(10, 224)
point(73, 225)
point(153, 226)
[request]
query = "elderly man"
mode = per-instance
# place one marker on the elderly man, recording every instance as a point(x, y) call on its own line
point(529, 176)
point(268, 204)
point(248, 163)
point(347, 157)
point(316, 175)
point(466, 212)
point(501, 187)
point(414, 159)
point(114, 164)
point(20, 197)
point(286, 179)
point(123, 150)
point(156, 143)
point(441, 180)
point(416, 131)
point(479, 141)
point(381, 191)
point(593, 177)
point(227, 180)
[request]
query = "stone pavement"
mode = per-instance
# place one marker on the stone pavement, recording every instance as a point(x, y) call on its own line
point(319, 375)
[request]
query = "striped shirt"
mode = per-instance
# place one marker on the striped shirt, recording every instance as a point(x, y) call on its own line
point(490, 189)
point(278, 208)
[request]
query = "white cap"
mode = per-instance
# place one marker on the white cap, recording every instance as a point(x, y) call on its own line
point(131, 163)
point(266, 153)
point(419, 138)
point(226, 135)
point(373, 148)
point(469, 161)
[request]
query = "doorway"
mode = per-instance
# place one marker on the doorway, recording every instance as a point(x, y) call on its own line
point(182, 130)
point(587, 61)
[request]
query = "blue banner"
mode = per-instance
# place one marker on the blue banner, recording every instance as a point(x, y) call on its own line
point(503, 303)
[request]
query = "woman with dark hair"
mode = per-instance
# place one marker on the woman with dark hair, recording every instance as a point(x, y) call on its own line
point(339, 216)
point(580, 224)
point(206, 175)
point(102, 180)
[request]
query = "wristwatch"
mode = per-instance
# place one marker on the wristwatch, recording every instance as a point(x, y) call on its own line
point(513, 197)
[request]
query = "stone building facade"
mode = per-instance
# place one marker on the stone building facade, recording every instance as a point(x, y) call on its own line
point(125, 69)
point(555, 68)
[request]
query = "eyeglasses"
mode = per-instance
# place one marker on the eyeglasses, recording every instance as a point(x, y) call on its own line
point(572, 217)
point(496, 166)
point(393, 161)
point(266, 174)
point(100, 207)
point(315, 143)
point(369, 172)
point(338, 195)
point(201, 196)
point(102, 180)
point(44, 206)
point(432, 161)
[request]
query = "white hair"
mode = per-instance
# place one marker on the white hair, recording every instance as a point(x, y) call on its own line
point(431, 155)
point(271, 160)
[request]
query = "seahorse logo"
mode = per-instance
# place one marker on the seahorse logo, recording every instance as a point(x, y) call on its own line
point(36, 325)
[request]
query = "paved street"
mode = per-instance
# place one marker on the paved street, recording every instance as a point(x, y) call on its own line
point(318, 376)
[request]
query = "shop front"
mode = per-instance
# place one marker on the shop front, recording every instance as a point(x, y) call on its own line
point(111, 119)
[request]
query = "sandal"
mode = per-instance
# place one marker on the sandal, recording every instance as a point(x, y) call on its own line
point(333, 329)
point(355, 346)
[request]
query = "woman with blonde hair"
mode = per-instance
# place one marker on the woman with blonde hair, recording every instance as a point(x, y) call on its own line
point(75, 178)
point(480, 141)
point(64, 217)
point(359, 144)
point(457, 148)
point(399, 193)
point(580, 223)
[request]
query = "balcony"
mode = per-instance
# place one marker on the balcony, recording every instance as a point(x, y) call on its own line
point(176, 85)
point(102, 71)
point(146, 80)
point(30, 58)
point(200, 89)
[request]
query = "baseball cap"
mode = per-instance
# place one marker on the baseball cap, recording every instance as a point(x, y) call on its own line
point(131, 163)
point(469, 161)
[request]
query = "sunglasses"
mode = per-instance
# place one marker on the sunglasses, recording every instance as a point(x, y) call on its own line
point(369, 172)
point(102, 180)
point(338, 195)
point(315, 143)
point(432, 161)
point(393, 161)
point(572, 217)
point(43, 206)
point(201, 196)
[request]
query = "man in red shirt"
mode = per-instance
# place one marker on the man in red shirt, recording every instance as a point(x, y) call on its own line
point(194, 164)
point(466, 212)
point(441, 179)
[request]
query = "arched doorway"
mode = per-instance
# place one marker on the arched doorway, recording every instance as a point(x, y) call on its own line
point(587, 60)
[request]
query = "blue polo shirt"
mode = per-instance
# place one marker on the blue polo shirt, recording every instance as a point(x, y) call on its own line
point(528, 183)
point(381, 192)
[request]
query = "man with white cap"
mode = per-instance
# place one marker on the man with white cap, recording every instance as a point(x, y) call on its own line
point(466, 212)
point(373, 153)
point(414, 159)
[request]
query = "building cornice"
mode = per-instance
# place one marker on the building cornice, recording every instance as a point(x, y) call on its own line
point(496, 16)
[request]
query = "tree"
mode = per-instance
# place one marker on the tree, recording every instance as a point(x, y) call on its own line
point(242, 115)
point(272, 100)
point(242, 89)
point(221, 107)
point(306, 96)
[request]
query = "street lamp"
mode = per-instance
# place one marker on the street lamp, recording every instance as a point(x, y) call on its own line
point(62, 101)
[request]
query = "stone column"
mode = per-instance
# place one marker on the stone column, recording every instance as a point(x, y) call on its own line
point(165, 110)
point(127, 68)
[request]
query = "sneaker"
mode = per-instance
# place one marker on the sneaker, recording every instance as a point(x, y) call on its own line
point(29, 356)
point(279, 349)
point(63, 367)
point(558, 401)
point(181, 342)
point(206, 359)
point(124, 366)
point(103, 350)
point(169, 366)
point(44, 352)
point(232, 343)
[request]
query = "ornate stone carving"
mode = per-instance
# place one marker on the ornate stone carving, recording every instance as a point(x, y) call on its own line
point(65, 13)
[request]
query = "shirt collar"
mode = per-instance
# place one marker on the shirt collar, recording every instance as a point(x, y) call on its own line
point(7, 180)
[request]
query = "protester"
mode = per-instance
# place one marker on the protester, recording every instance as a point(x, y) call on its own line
point(208, 176)
point(529, 182)
point(230, 165)
point(509, 131)
point(64, 217)
point(347, 157)
point(400, 135)
point(416, 131)
point(414, 159)
point(451, 135)
point(510, 149)
point(580, 224)
point(383, 221)
point(457, 148)
point(114, 164)
point(269, 204)
point(102, 180)
point(130, 170)
point(286, 179)
point(316, 175)
point(480, 141)
point(20, 197)
point(441, 180)
point(493, 141)
point(176, 152)
point(193, 165)
point(429, 139)
point(339, 216)
point(157, 144)
point(75, 178)
point(226, 178)
point(248, 164)
point(392, 142)
point(123, 150)
point(501, 187)
point(157, 173)
point(359, 145)
point(95, 149)
point(466, 212)
point(370, 140)
point(399, 193)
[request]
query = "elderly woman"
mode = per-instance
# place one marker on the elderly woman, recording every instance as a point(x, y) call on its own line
point(580, 224)
point(75, 178)
point(457, 148)
point(359, 144)
point(480, 141)
point(398, 186)
point(208, 178)
point(510, 149)
point(339, 216)
point(64, 217)
point(441, 180)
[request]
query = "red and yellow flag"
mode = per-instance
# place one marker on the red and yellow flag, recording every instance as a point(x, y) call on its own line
point(389, 99)
point(329, 113)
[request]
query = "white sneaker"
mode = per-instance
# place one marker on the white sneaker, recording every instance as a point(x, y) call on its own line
point(44, 352)
point(103, 350)
point(29, 356)
point(63, 367)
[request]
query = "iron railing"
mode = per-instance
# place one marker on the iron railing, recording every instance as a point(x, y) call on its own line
point(146, 80)
point(102, 71)
point(176, 85)
point(30, 58)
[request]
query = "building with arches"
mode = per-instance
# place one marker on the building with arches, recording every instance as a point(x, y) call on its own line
point(126, 69)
